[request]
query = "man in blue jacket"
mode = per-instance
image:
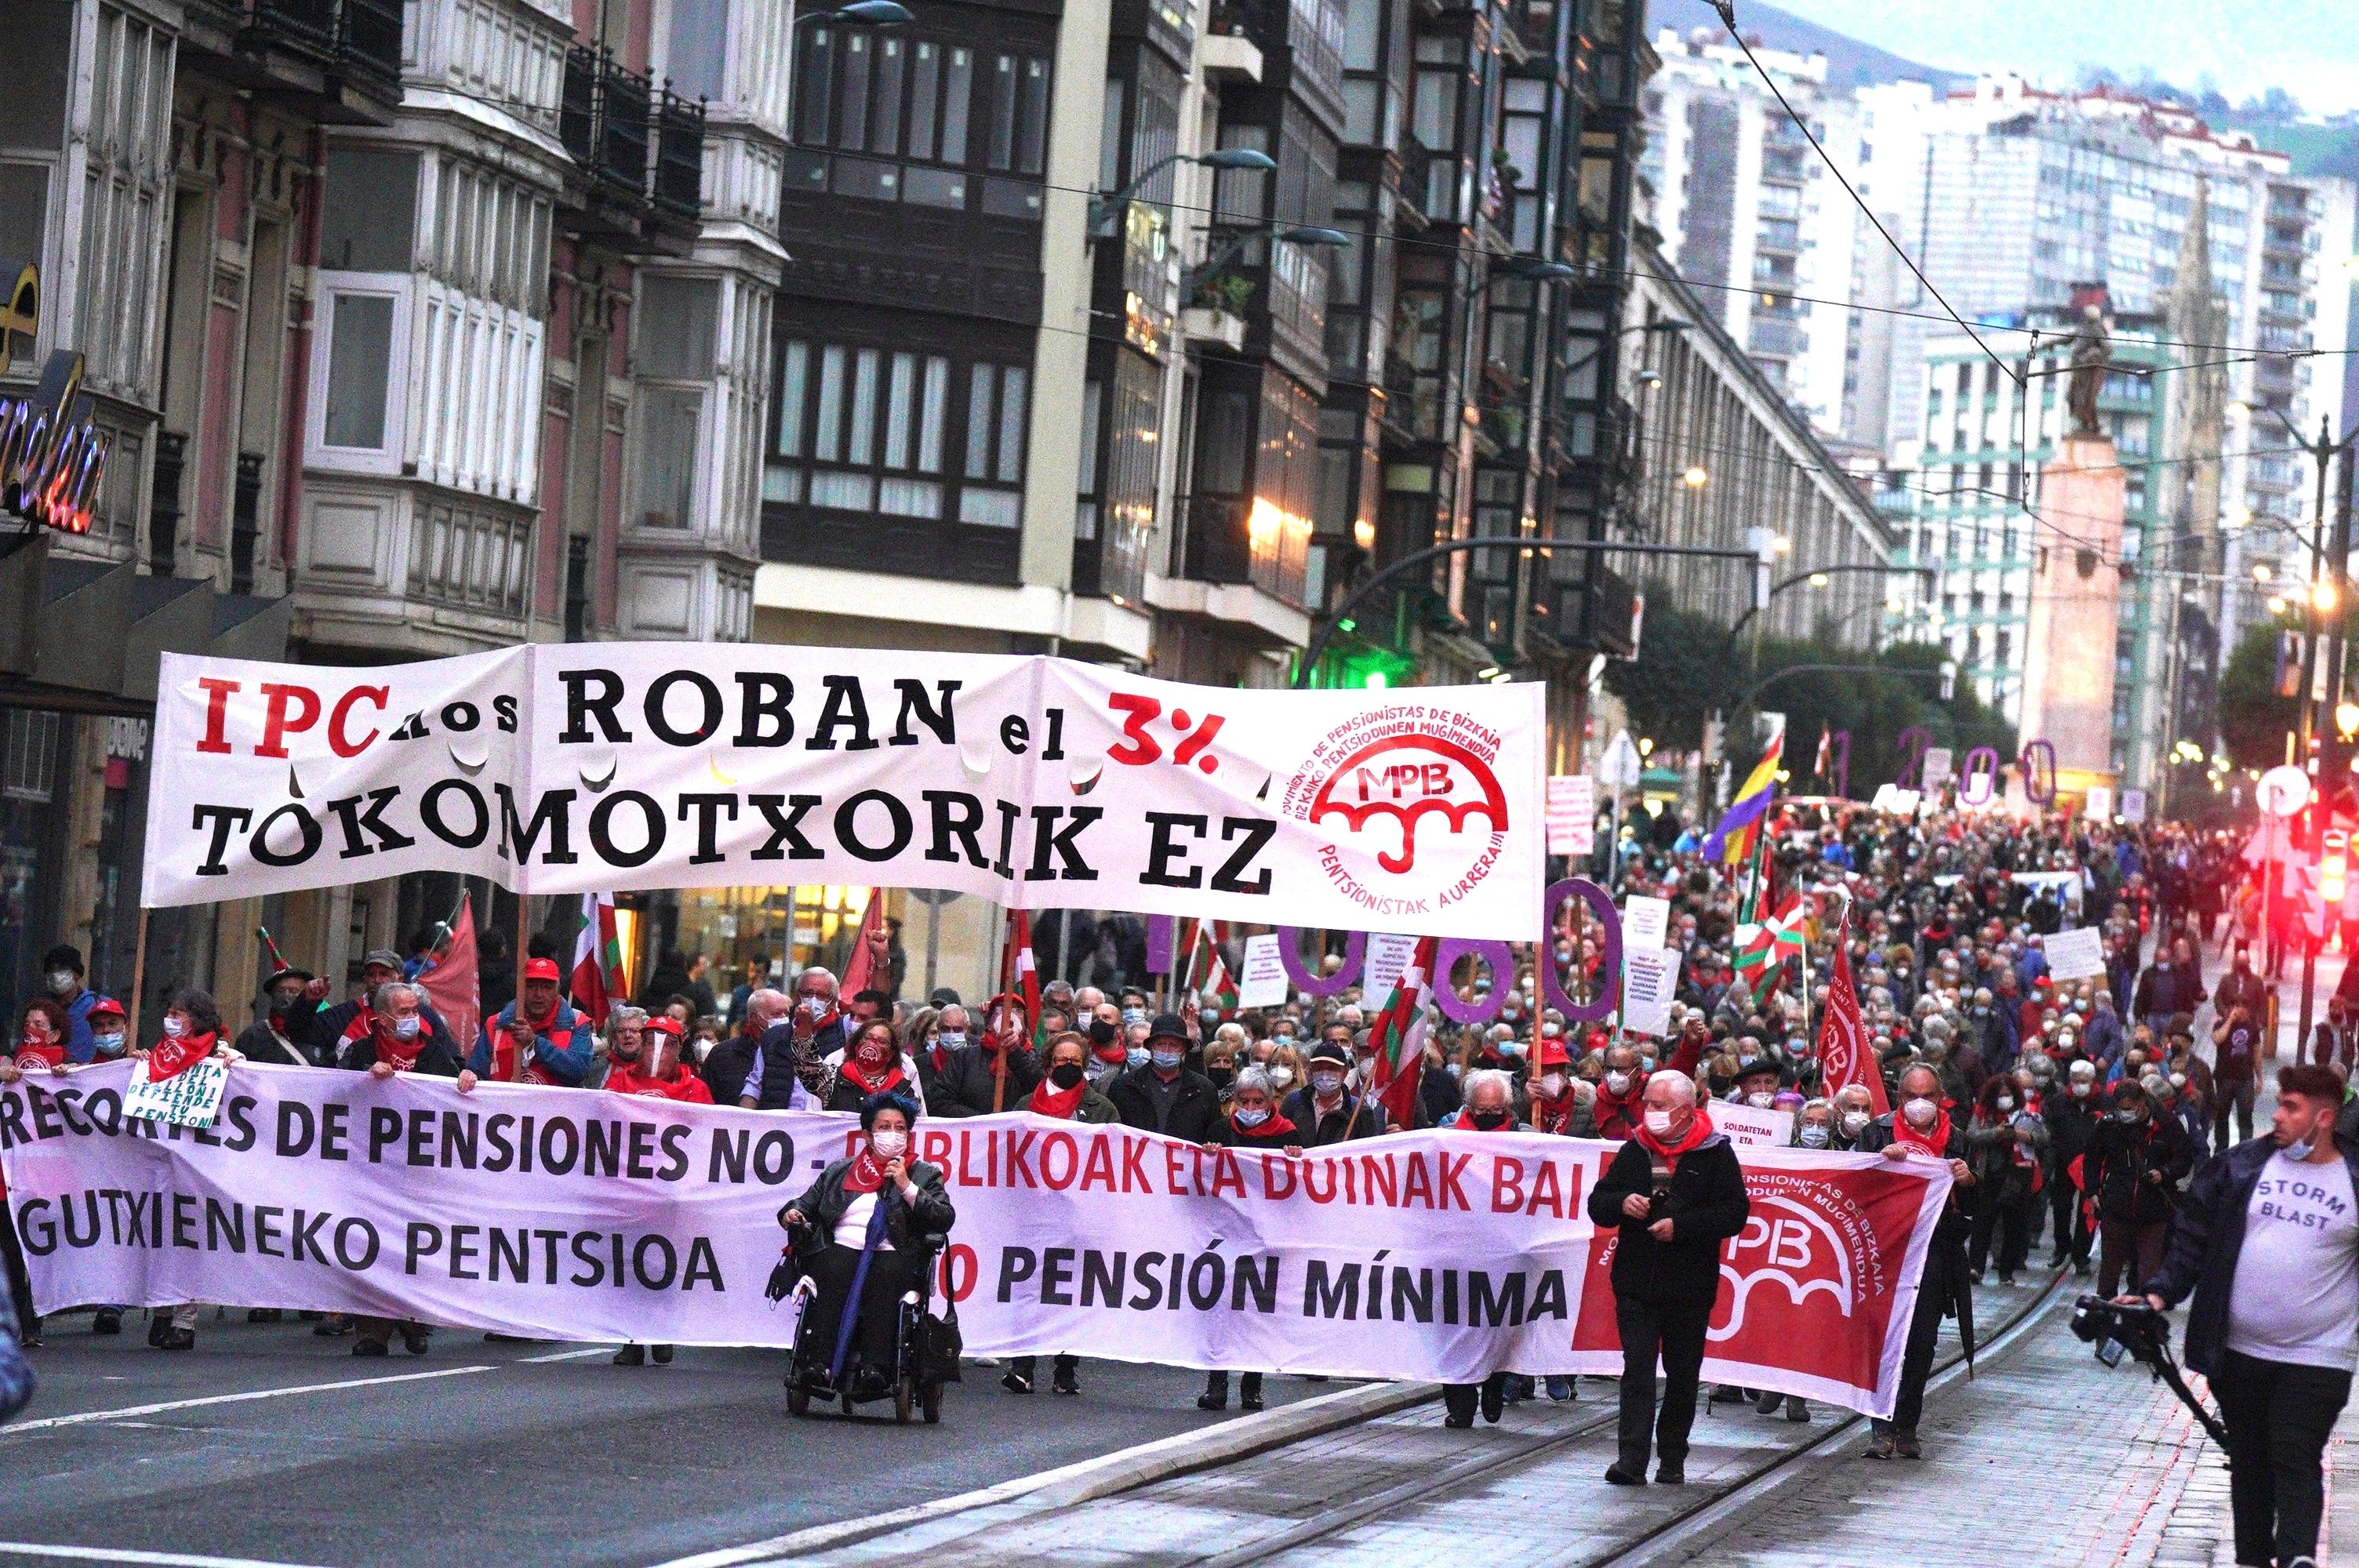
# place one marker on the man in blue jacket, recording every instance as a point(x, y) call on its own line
point(536, 1039)
point(2268, 1243)
point(62, 971)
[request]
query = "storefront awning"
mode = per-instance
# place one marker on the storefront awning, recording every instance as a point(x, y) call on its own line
point(85, 635)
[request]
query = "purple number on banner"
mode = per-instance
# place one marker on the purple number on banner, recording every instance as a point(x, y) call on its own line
point(1609, 972)
point(1502, 961)
point(1968, 795)
point(1839, 762)
point(1162, 944)
point(1289, 938)
point(2038, 773)
point(1914, 743)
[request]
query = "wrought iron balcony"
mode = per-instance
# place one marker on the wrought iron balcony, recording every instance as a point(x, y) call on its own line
point(679, 156)
point(624, 97)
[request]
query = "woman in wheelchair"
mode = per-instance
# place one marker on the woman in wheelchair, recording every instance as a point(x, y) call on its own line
point(861, 1235)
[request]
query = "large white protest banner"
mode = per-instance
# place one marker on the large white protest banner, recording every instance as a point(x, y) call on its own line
point(1037, 783)
point(579, 1215)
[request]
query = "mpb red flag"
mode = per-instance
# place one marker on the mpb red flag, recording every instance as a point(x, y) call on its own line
point(451, 985)
point(1845, 1056)
point(860, 969)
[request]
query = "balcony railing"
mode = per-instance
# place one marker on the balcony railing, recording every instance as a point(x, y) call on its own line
point(624, 97)
point(679, 156)
point(361, 36)
point(577, 105)
point(370, 36)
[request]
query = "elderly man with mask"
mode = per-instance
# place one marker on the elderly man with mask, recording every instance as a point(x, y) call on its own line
point(1676, 1194)
point(400, 1042)
point(727, 1065)
point(1919, 1127)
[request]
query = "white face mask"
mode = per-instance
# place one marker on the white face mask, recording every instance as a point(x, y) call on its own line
point(1761, 1102)
point(1659, 1123)
point(1281, 1076)
point(1920, 1111)
point(1856, 1122)
point(1327, 1083)
point(405, 1028)
point(62, 982)
point(2006, 1102)
point(176, 1027)
point(1814, 1137)
point(888, 1143)
point(1552, 1085)
point(1619, 1082)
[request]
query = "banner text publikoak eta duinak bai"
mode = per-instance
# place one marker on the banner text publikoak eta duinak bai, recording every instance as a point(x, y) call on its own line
point(1034, 782)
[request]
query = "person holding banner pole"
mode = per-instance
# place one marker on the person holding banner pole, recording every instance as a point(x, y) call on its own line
point(1065, 1095)
point(536, 1039)
point(1675, 1194)
point(1919, 1127)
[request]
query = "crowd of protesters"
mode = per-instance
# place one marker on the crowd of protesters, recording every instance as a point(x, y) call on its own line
point(2073, 1111)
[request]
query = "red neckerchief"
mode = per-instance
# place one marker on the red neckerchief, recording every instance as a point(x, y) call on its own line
point(169, 1058)
point(859, 1075)
point(1553, 1114)
point(867, 1172)
point(1047, 1099)
point(1699, 1128)
point(1275, 1127)
point(1610, 1105)
point(1934, 1141)
point(52, 1055)
point(504, 1051)
point(627, 1078)
point(397, 1053)
point(363, 1024)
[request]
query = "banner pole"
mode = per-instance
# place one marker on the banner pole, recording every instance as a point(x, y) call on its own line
point(524, 925)
point(138, 971)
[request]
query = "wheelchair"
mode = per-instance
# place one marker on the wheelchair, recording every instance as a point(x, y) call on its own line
point(926, 1351)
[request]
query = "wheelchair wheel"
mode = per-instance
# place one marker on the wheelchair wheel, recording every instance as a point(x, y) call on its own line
point(929, 1401)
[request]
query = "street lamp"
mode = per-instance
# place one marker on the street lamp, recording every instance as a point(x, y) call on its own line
point(2346, 718)
point(1293, 235)
point(1530, 269)
point(1102, 205)
point(1695, 478)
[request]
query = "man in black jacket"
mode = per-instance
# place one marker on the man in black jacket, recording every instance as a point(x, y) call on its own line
point(970, 1082)
point(2267, 1241)
point(1919, 1127)
point(1325, 1108)
point(1166, 1096)
point(1676, 1192)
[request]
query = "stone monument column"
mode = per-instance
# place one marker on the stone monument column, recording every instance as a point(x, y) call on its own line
point(2076, 585)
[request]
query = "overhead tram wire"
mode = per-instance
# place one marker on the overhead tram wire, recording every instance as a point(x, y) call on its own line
point(1727, 9)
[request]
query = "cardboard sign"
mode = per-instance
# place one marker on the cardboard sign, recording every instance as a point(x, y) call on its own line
point(2134, 805)
point(1263, 983)
point(1898, 801)
point(189, 1097)
point(1387, 955)
point(1649, 977)
point(1645, 922)
point(1750, 1127)
point(2075, 955)
point(1571, 814)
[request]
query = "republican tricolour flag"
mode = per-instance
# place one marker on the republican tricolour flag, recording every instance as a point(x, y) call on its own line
point(1844, 1058)
point(1399, 1039)
point(1732, 842)
point(597, 979)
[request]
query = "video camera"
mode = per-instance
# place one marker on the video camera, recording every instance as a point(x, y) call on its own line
point(2141, 1333)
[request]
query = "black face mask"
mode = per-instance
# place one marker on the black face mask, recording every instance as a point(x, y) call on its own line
point(1065, 1075)
point(1100, 1032)
point(1221, 1077)
point(1489, 1120)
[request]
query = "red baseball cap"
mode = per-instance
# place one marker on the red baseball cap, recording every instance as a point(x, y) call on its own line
point(663, 1024)
point(106, 1007)
point(540, 968)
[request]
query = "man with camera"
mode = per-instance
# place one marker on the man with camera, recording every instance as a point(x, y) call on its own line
point(2267, 1242)
point(1676, 1194)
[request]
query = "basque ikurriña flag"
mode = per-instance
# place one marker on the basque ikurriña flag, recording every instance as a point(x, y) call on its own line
point(1399, 1038)
point(597, 979)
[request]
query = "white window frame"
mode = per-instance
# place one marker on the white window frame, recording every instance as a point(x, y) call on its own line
point(399, 287)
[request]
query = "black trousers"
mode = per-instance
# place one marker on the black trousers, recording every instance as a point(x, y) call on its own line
point(1673, 1331)
point(874, 1339)
point(20, 1285)
point(2279, 1415)
point(2009, 1219)
point(1462, 1399)
point(1917, 1357)
point(2073, 1237)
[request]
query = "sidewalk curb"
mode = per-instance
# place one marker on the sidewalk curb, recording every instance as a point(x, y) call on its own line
point(1090, 1479)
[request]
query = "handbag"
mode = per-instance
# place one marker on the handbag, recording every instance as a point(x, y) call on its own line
point(943, 1345)
point(785, 1275)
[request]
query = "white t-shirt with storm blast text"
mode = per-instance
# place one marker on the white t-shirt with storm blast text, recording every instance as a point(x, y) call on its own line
point(2295, 1294)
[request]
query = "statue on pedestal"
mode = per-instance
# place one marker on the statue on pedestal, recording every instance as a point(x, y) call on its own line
point(2091, 357)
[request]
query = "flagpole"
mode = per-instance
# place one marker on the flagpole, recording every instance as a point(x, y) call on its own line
point(138, 971)
point(524, 925)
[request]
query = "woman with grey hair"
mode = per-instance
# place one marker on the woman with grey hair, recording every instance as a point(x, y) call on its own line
point(1253, 1121)
point(626, 1024)
point(1490, 1105)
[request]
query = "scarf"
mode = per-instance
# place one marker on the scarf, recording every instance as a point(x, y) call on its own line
point(858, 1073)
point(363, 1024)
point(1049, 1100)
point(631, 1078)
point(1623, 1107)
point(867, 1172)
point(399, 1053)
point(1934, 1140)
point(170, 1057)
point(1554, 1115)
point(52, 1055)
point(1699, 1128)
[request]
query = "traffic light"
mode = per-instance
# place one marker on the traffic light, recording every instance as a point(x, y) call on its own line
point(2333, 868)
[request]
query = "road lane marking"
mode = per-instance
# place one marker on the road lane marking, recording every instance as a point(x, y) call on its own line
point(90, 1418)
point(125, 1555)
point(569, 1355)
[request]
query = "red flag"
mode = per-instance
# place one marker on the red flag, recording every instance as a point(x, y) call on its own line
point(859, 970)
point(596, 982)
point(451, 985)
point(1844, 1058)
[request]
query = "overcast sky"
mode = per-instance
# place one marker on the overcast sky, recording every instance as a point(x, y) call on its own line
point(2309, 48)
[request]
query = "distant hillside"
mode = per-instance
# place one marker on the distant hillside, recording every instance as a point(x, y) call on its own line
point(2317, 150)
point(1850, 63)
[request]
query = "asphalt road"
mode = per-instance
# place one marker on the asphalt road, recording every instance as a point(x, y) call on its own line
point(503, 1455)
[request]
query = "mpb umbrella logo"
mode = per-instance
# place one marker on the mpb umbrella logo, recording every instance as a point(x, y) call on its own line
point(1817, 1262)
point(1409, 796)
